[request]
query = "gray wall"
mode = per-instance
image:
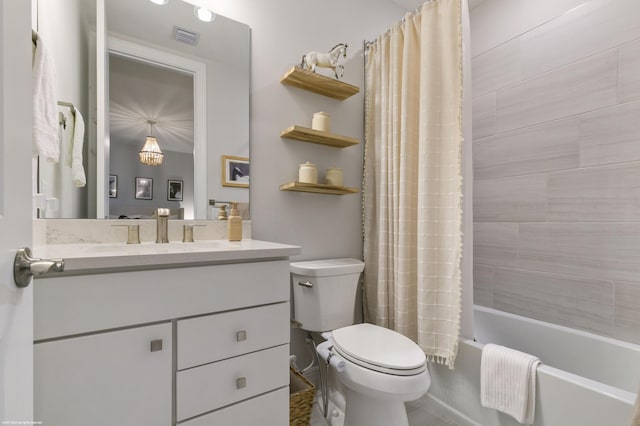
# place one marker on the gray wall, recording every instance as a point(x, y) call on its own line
point(325, 226)
point(556, 144)
point(281, 32)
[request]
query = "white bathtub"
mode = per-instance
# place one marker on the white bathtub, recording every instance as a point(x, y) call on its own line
point(585, 379)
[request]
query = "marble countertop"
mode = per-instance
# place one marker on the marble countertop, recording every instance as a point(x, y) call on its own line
point(86, 258)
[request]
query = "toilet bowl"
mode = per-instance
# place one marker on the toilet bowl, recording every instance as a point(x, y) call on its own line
point(383, 370)
point(380, 368)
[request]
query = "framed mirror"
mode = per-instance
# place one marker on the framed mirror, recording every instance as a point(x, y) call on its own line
point(137, 62)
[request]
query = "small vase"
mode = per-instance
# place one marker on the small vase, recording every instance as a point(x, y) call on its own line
point(308, 173)
point(334, 176)
point(320, 121)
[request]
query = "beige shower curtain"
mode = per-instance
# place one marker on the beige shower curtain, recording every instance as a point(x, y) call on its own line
point(412, 179)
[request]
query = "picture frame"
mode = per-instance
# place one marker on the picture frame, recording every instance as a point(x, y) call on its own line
point(174, 190)
point(113, 186)
point(235, 171)
point(144, 188)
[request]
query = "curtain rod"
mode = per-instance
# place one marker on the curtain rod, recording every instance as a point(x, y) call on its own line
point(369, 43)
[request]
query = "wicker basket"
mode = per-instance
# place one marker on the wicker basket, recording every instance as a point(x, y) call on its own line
point(301, 394)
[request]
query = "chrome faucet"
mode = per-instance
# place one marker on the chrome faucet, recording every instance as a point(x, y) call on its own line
point(162, 225)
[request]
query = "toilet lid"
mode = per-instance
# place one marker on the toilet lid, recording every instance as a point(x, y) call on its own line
point(379, 349)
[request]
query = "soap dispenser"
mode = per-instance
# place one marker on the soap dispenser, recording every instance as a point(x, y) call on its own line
point(234, 225)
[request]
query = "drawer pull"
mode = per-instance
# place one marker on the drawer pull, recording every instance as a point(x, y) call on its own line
point(241, 336)
point(306, 284)
point(241, 383)
point(156, 345)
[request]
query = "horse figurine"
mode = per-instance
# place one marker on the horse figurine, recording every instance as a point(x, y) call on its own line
point(326, 60)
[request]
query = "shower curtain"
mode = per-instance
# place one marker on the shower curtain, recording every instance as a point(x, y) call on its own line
point(412, 179)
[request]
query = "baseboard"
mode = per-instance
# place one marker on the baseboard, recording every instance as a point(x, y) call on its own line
point(437, 406)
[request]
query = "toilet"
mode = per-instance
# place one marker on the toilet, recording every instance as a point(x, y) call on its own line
point(380, 368)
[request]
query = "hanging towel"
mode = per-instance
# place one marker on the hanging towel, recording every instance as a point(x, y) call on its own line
point(45, 110)
point(508, 381)
point(77, 169)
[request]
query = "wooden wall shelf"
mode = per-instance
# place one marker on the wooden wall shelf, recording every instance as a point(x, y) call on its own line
point(318, 188)
point(318, 83)
point(316, 136)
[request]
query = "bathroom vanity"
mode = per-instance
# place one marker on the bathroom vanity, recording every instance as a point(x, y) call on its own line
point(191, 334)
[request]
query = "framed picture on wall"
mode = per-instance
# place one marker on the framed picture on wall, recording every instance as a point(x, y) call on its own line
point(144, 188)
point(174, 190)
point(113, 186)
point(235, 171)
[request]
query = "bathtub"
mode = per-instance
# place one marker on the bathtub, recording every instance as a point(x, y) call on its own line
point(584, 379)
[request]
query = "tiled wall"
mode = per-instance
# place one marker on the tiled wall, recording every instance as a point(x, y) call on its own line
point(556, 146)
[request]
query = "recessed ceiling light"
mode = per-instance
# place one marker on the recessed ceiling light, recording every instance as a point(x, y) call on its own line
point(160, 2)
point(204, 14)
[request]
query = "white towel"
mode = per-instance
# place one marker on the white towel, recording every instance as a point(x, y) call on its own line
point(508, 382)
point(77, 169)
point(45, 109)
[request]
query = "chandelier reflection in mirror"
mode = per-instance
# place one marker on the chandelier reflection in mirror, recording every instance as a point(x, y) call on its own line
point(150, 153)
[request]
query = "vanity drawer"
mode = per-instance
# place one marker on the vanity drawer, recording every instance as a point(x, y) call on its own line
point(211, 386)
point(79, 304)
point(269, 409)
point(214, 337)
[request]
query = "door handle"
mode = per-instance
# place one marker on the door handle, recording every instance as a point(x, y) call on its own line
point(25, 266)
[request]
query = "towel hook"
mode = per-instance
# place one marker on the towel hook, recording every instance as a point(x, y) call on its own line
point(62, 120)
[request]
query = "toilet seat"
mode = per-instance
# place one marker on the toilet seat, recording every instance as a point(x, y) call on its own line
point(379, 349)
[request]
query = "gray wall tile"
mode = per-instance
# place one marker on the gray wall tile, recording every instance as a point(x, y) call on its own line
point(608, 193)
point(556, 159)
point(496, 68)
point(511, 199)
point(594, 27)
point(483, 110)
point(611, 135)
point(495, 243)
point(629, 75)
point(608, 251)
point(627, 311)
point(543, 148)
point(575, 302)
point(576, 88)
point(483, 285)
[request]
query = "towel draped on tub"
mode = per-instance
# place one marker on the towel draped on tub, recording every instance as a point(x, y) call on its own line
point(508, 381)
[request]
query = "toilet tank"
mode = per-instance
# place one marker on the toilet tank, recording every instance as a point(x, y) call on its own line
point(324, 292)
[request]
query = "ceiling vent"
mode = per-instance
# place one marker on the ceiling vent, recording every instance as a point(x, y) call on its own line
point(185, 36)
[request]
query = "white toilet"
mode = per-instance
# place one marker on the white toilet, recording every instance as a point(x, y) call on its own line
point(382, 369)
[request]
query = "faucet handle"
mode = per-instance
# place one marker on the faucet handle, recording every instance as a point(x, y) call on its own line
point(187, 236)
point(133, 233)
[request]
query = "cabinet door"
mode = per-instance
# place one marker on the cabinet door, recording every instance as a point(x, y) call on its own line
point(106, 379)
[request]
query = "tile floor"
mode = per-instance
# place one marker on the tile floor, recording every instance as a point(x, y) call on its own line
point(419, 415)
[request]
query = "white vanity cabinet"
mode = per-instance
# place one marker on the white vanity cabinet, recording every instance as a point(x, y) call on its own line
point(105, 379)
point(229, 357)
point(224, 332)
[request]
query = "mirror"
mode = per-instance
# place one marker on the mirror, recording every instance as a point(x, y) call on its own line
point(197, 95)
